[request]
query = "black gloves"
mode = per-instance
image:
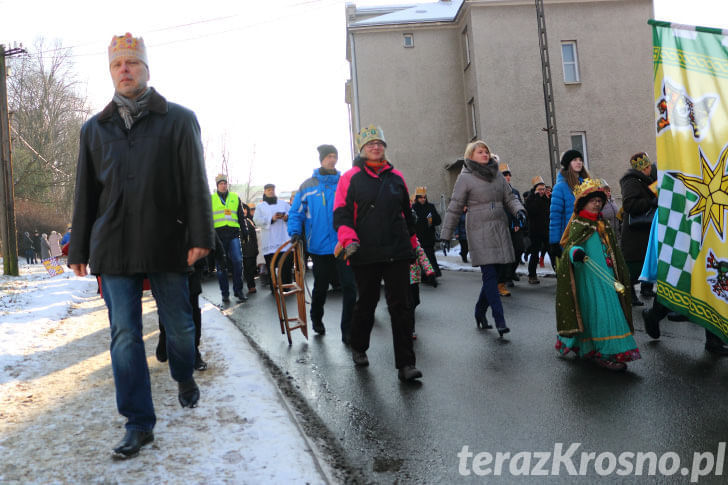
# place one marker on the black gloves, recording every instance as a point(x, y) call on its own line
point(578, 255)
point(555, 250)
point(521, 218)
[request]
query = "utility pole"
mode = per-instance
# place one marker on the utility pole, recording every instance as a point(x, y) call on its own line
point(548, 93)
point(8, 232)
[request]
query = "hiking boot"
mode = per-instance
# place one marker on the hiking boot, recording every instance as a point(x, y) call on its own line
point(359, 358)
point(502, 290)
point(533, 280)
point(409, 373)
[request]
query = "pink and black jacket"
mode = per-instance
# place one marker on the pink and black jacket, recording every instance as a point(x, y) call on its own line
point(374, 210)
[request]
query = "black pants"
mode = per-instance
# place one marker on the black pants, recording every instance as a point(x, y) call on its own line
point(414, 301)
point(430, 253)
point(286, 275)
point(464, 249)
point(660, 311)
point(324, 268)
point(518, 249)
point(249, 269)
point(396, 291)
point(537, 245)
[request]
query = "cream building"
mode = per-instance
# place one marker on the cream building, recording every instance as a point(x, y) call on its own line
point(436, 76)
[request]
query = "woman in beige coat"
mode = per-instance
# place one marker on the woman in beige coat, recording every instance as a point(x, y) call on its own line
point(485, 191)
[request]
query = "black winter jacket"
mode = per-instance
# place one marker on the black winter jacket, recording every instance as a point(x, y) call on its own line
point(374, 209)
point(425, 231)
point(537, 208)
point(637, 199)
point(142, 199)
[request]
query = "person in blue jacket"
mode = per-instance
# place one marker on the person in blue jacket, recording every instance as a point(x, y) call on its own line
point(312, 216)
point(571, 174)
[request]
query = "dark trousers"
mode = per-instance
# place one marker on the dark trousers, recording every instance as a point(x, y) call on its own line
point(414, 301)
point(396, 291)
point(195, 282)
point(249, 269)
point(518, 249)
point(660, 311)
point(286, 274)
point(489, 296)
point(430, 253)
point(324, 269)
point(464, 249)
point(537, 245)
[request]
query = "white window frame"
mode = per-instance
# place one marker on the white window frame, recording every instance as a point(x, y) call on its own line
point(473, 119)
point(584, 149)
point(466, 47)
point(408, 40)
point(575, 62)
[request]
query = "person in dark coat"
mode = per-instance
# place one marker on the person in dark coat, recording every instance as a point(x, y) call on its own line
point(26, 248)
point(639, 196)
point(507, 272)
point(427, 220)
point(375, 227)
point(461, 233)
point(249, 242)
point(142, 209)
point(36, 244)
point(537, 207)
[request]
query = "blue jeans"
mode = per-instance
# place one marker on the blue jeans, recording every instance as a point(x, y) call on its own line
point(489, 296)
point(123, 297)
point(232, 249)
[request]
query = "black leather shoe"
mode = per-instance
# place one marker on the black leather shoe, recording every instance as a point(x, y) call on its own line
point(482, 323)
point(161, 351)
point(318, 327)
point(133, 441)
point(199, 363)
point(226, 299)
point(360, 358)
point(502, 331)
point(677, 317)
point(652, 325)
point(409, 373)
point(189, 393)
point(715, 345)
point(239, 295)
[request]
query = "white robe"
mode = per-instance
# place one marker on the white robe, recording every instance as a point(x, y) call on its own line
point(272, 234)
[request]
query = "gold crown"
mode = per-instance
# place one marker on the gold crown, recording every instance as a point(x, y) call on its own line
point(421, 191)
point(587, 187)
point(640, 161)
point(370, 133)
point(503, 167)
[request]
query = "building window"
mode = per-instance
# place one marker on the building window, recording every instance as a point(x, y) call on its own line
point(570, 61)
point(578, 142)
point(409, 40)
point(466, 48)
point(473, 119)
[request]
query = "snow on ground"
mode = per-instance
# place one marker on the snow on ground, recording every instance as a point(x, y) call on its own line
point(453, 262)
point(58, 418)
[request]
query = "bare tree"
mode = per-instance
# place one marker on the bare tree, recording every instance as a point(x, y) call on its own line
point(47, 114)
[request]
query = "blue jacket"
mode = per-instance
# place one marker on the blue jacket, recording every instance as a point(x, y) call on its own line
point(312, 213)
point(562, 206)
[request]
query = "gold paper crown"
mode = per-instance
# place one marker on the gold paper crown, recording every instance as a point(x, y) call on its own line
point(503, 167)
point(421, 191)
point(370, 133)
point(587, 187)
point(640, 161)
point(126, 45)
point(537, 180)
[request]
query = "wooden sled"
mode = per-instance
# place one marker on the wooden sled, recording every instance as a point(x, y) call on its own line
point(282, 290)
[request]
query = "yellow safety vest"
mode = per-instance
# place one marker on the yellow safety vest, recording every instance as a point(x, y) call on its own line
point(225, 214)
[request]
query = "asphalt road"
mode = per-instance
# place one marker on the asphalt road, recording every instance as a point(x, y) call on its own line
point(495, 395)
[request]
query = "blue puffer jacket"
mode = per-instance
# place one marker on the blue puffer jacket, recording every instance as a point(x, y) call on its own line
point(312, 213)
point(562, 206)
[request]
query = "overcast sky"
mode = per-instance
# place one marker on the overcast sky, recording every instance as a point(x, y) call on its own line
point(264, 77)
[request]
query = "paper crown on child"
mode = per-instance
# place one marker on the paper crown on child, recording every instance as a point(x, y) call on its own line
point(537, 180)
point(421, 191)
point(587, 187)
point(503, 167)
point(370, 133)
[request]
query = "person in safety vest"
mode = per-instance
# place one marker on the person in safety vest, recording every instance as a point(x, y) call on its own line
point(227, 213)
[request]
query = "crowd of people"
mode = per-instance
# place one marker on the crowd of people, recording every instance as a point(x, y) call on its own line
point(38, 247)
point(144, 218)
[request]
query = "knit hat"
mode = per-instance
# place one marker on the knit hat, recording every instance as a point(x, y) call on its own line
point(503, 167)
point(537, 180)
point(370, 133)
point(221, 177)
point(640, 161)
point(568, 156)
point(126, 45)
point(326, 150)
point(269, 186)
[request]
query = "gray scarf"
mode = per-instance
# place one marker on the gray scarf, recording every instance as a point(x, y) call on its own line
point(488, 171)
point(132, 109)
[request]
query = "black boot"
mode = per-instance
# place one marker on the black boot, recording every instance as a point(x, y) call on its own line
point(132, 442)
point(200, 364)
point(189, 393)
point(714, 344)
point(652, 324)
point(318, 326)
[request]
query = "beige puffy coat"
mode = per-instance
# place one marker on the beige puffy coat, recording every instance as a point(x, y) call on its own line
point(486, 221)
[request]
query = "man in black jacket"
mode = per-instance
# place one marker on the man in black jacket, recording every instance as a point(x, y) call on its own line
point(141, 208)
point(427, 219)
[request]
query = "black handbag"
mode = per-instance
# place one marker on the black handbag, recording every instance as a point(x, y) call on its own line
point(643, 221)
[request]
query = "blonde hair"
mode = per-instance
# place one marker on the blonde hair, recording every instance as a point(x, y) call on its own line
point(472, 146)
